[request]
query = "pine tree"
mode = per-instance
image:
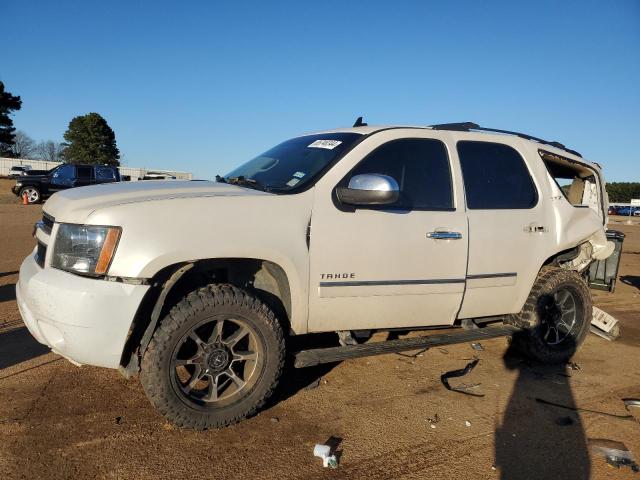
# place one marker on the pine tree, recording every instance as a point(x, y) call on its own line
point(8, 104)
point(90, 141)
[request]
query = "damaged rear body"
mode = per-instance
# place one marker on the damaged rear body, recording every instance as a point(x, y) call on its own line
point(580, 205)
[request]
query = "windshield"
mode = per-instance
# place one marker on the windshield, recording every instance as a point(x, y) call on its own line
point(295, 162)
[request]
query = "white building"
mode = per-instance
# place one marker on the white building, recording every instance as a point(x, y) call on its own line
point(132, 172)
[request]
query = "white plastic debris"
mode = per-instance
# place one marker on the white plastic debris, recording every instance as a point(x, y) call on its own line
point(604, 325)
point(324, 452)
point(467, 423)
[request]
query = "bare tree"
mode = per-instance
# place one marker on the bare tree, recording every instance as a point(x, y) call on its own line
point(50, 151)
point(23, 145)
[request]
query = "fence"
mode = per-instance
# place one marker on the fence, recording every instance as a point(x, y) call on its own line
point(132, 172)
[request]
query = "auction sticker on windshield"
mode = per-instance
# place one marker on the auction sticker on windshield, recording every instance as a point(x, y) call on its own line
point(328, 144)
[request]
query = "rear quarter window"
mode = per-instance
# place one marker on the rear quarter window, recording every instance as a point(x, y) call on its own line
point(495, 177)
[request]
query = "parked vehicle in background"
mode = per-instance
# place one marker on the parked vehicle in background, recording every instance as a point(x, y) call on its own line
point(62, 177)
point(18, 170)
point(626, 211)
point(613, 210)
point(196, 286)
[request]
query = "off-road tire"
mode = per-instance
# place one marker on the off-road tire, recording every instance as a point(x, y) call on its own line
point(31, 197)
point(530, 340)
point(156, 367)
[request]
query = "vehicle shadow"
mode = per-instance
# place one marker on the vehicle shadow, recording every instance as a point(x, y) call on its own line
point(6, 274)
point(18, 346)
point(537, 440)
point(7, 292)
point(633, 280)
point(294, 379)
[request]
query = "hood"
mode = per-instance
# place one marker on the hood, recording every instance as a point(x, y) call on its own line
point(33, 175)
point(76, 204)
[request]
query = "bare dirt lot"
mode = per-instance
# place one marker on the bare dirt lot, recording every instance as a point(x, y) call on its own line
point(61, 421)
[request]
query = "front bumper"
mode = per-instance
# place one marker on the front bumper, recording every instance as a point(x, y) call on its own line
point(85, 320)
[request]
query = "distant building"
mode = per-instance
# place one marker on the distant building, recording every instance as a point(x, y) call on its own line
point(129, 173)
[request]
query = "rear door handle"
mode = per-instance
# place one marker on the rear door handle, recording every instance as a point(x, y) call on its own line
point(444, 235)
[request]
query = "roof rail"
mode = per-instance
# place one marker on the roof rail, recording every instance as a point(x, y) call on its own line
point(468, 126)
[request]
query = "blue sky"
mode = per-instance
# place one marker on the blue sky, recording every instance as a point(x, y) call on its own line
point(204, 86)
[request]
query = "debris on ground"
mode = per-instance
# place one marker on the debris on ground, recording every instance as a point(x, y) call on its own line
point(615, 453)
point(586, 410)
point(633, 407)
point(573, 366)
point(477, 346)
point(118, 420)
point(275, 419)
point(433, 420)
point(604, 325)
point(467, 423)
point(328, 452)
point(463, 388)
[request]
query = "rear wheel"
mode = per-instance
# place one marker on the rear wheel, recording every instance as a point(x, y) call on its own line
point(33, 194)
point(556, 316)
point(215, 359)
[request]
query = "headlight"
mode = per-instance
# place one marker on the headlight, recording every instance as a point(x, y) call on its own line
point(85, 249)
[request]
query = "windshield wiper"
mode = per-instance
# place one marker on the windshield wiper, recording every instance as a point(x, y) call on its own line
point(245, 182)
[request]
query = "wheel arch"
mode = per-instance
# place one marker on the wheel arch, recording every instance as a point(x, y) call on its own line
point(264, 278)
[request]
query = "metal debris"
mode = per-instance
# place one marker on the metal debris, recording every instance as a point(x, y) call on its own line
point(463, 388)
point(615, 453)
point(477, 346)
point(604, 325)
point(633, 406)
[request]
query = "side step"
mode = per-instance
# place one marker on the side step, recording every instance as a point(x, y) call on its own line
point(308, 358)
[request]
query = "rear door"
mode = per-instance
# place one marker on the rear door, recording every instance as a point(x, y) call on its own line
point(507, 229)
point(384, 266)
point(84, 174)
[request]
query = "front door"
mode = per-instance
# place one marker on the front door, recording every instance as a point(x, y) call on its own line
point(62, 178)
point(382, 267)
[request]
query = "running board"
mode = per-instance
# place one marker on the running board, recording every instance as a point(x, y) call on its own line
point(308, 358)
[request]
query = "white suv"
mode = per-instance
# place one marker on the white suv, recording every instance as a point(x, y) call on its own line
point(197, 285)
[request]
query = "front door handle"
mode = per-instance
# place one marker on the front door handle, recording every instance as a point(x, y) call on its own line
point(444, 235)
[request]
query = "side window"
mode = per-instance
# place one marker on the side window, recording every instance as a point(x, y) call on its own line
point(495, 177)
point(84, 173)
point(104, 173)
point(64, 175)
point(421, 168)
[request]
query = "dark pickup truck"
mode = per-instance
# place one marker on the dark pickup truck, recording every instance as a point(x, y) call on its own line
point(38, 187)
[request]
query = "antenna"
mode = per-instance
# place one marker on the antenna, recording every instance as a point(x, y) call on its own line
point(359, 123)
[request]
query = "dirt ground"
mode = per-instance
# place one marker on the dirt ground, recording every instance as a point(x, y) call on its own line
point(393, 417)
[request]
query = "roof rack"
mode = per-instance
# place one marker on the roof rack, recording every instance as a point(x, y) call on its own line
point(468, 126)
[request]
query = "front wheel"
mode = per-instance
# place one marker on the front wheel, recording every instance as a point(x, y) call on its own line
point(556, 317)
point(32, 193)
point(215, 359)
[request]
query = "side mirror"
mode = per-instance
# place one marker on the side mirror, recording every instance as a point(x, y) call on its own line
point(369, 189)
